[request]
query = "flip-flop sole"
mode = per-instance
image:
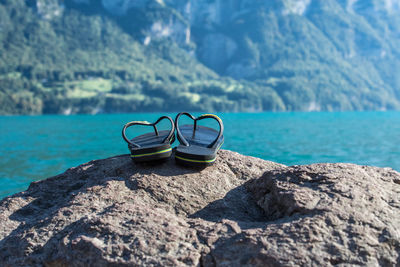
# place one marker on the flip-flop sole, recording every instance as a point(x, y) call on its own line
point(198, 144)
point(151, 139)
point(193, 162)
point(151, 149)
point(203, 135)
point(197, 154)
point(151, 153)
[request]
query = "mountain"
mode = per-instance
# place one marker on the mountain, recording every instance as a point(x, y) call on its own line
point(90, 56)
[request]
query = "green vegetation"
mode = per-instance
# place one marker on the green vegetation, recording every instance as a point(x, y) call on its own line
point(78, 58)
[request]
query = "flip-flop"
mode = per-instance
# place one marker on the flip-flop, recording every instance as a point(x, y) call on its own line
point(150, 146)
point(198, 144)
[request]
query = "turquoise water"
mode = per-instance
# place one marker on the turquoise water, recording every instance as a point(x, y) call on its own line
point(33, 148)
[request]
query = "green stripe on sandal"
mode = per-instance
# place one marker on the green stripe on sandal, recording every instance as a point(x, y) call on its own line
point(196, 161)
point(151, 154)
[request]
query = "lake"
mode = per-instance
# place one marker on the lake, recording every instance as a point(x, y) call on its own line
point(37, 147)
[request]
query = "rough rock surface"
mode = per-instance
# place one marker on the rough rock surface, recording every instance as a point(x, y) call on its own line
point(240, 211)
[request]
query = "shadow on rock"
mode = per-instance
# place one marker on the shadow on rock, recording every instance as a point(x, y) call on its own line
point(237, 205)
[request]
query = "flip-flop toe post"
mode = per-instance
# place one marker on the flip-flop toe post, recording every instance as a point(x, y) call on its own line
point(198, 144)
point(152, 146)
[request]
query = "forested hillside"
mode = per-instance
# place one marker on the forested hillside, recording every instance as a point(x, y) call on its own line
point(91, 56)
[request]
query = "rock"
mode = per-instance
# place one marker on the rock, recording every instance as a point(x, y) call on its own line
point(241, 71)
point(240, 211)
point(49, 9)
point(216, 50)
point(172, 27)
point(120, 7)
point(297, 7)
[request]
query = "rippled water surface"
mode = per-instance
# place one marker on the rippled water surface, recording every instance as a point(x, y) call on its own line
point(33, 148)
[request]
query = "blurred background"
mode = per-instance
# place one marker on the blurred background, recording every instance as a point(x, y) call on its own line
point(112, 56)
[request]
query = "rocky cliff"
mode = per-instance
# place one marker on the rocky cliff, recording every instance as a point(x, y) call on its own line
point(94, 56)
point(242, 211)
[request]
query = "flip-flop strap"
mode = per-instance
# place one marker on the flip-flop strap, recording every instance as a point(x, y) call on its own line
point(182, 139)
point(132, 123)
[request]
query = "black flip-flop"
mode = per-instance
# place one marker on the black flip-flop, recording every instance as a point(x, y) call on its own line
point(150, 146)
point(198, 144)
